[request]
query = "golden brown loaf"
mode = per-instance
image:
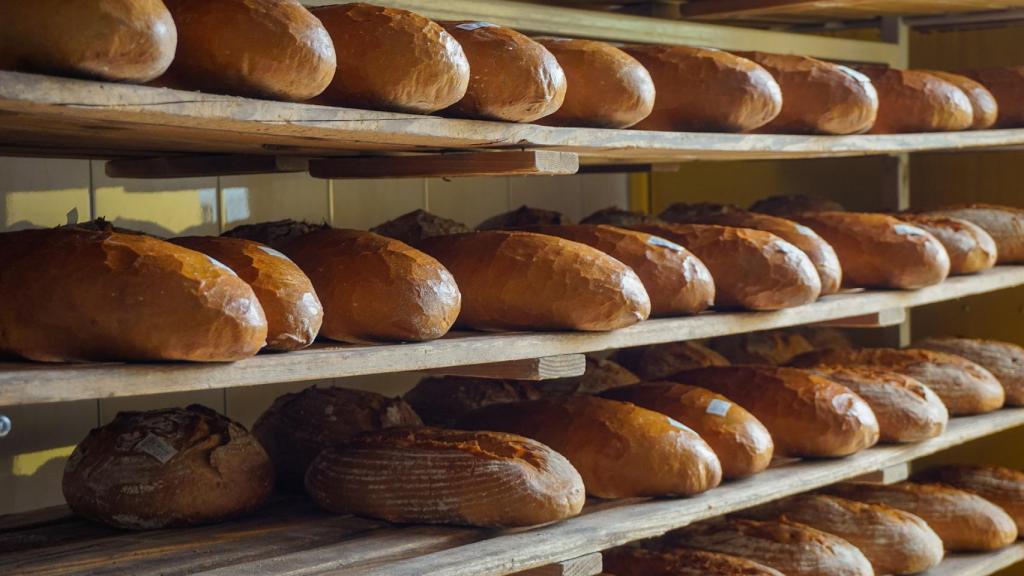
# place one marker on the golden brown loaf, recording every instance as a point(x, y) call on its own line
point(1004, 223)
point(606, 88)
point(1002, 486)
point(742, 444)
point(437, 476)
point(807, 415)
point(392, 59)
point(259, 48)
point(1007, 85)
point(1003, 359)
point(121, 40)
point(524, 217)
point(163, 468)
point(620, 450)
point(72, 294)
point(293, 311)
point(615, 216)
point(906, 409)
point(374, 288)
point(274, 234)
point(916, 101)
point(297, 426)
point(964, 387)
point(773, 347)
point(530, 281)
point(879, 251)
point(894, 541)
point(598, 376)
point(706, 90)
point(818, 97)
point(512, 78)
point(787, 205)
point(790, 548)
point(820, 252)
point(443, 400)
point(659, 361)
point(752, 269)
point(413, 227)
point(965, 522)
point(630, 561)
point(983, 103)
point(969, 247)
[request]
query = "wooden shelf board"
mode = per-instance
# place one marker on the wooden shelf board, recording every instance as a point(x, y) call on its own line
point(836, 9)
point(978, 564)
point(292, 538)
point(33, 383)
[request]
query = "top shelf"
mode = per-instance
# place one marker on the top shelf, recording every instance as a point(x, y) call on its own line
point(818, 10)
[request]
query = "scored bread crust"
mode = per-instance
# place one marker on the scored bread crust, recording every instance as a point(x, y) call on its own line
point(1004, 223)
point(1004, 360)
point(630, 561)
point(1007, 85)
point(983, 103)
point(970, 248)
point(443, 400)
point(1000, 485)
point(773, 347)
point(659, 361)
point(917, 101)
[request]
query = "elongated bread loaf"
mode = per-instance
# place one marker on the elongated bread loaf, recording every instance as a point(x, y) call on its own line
point(970, 248)
point(916, 101)
point(964, 387)
point(894, 541)
point(163, 468)
point(807, 415)
point(818, 97)
point(524, 217)
point(1003, 359)
point(437, 476)
point(706, 90)
point(1007, 85)
point(788, 204)
point(526, 281)
point(824, 337)
point(72, 294)
point(1002, 486)
point(820, 252)
point(274, 234)
point(659, 361)
point(621, 450)
point(1004, 223)
point(742, 444)
point(983, 103)
point(773, 347)
point(879, 251)
point(965, 522)
point(294, 313)
point(443, 400)
point(413, 227)
point(374, 288)
point(906, 409)
point(615, 216)
point(297, 426)
point(630, 561)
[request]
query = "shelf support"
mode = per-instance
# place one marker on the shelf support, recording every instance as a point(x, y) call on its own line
point(546, 368)
point(880, 319)
point(589, 565)
point(458, 164)
point(204, 165)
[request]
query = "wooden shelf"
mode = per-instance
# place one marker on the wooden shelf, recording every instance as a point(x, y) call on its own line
point(803, 10)
point(292, 538)
point(33, 383)
point(978, 564)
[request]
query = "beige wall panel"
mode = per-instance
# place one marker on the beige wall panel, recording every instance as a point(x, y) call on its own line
point(599, 191)
point(468, 200)
point(362, 204)
point(175, 207)
point(40, 192)
point(558, 193)
point(266, 197)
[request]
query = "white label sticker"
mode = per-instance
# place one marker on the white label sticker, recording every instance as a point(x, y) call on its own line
point(474, 25)
point(908, 230)
point(658, 241)
point(221, 265)
point(273, 252)
point(719, 407)
point(156, 447)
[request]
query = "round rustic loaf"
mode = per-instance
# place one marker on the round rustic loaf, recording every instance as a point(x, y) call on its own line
point(1003, 359)
point(1007, 85)
point(631, 561)
point(1000, 485)
point(443, 400)
point(917, 101)
point(970, 248)
point(983, 103)
point(659, 361)
point(772, 347)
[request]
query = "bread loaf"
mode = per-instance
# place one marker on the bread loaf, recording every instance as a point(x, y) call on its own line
point(1007, 85)
point(806, 415)
point(787, 205)
point(270, 49)
point(964, 522)
point(790, 548)
point(72, 294)
point(1004, 223)
point(297, 426)
point(906, 409)
point(879, 251)
point(293, 311)
point(164, 468)
point(983, 103)
point(274, 234)
point(964, 387)
point(1004, 360)
point(598, 376)
point(615, 216)
point(1002, 486)
point(822, 255)
point(536, 282)
point(742, 444)
point(524, 217)
point(630, 561)
point(415, 226)
point(916, 101)
point(660, 361)
point(706, 90)
point(392, 59)
point(513, 77)
point(443, 400)
point(969, 247)
point(374, 288)
point(606, 88)
point(894, 541)
point(772, 347)
point(620, 450)
point(120, 40)
point(824, 337)
point(818, 97)
point(436, 476)
point(752, 269)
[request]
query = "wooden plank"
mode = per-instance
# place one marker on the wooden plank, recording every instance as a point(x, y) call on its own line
point(198, 166)
point(887, 475)
point(536, 369)
point(27, 383)
point(461, 164)
point(880, 319)
point(978, 564)
point(589, 565)
point(836, 9)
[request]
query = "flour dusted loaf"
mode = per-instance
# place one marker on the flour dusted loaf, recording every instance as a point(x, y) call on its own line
point(620, 450)
point(659, 361)
point(437, 476)
point(917, 101)
point(635, 561)
point(983, 103)
point(164, 468)
point(527, 281)
point(806, 415)
point(72, 294)
point(772, 347)
point(294, 313)
point(1002, 486)
point(1004, 223)
point(1007, 85)
point(969, 247)
point(1004, 360)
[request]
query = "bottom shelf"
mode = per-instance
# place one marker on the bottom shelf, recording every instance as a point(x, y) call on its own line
point(979, 564)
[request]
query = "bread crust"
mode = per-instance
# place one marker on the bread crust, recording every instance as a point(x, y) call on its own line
point(1007, 86)
point(1000, 485)
point(983, 103)
point(444, 400)
point(630, 561)
point(1004, 360)
point(772, 347)
point(1004, 223)
point(659, 361)
point(418, 225)
point(788, 204)
point(970, 248)
point(917, 101)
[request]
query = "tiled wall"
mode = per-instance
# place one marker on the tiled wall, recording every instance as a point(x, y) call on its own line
point(35, 192)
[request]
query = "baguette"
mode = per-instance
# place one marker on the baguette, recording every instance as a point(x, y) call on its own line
point(630, 561)
point(1004, 223)
point(772, 347)
point(1004, 360)
point(916, 101)
point(983, 103)
point(1002, 486)
point(970, 248)
point(659, 361)
point(1007, 85)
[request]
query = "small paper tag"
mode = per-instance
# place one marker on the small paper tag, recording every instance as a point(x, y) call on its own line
point(718, 407)
point(470, 26)
point(156, 447)
point(658, 241)
point(275, 253)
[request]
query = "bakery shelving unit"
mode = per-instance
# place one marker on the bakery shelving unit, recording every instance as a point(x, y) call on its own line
point(155, 132)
